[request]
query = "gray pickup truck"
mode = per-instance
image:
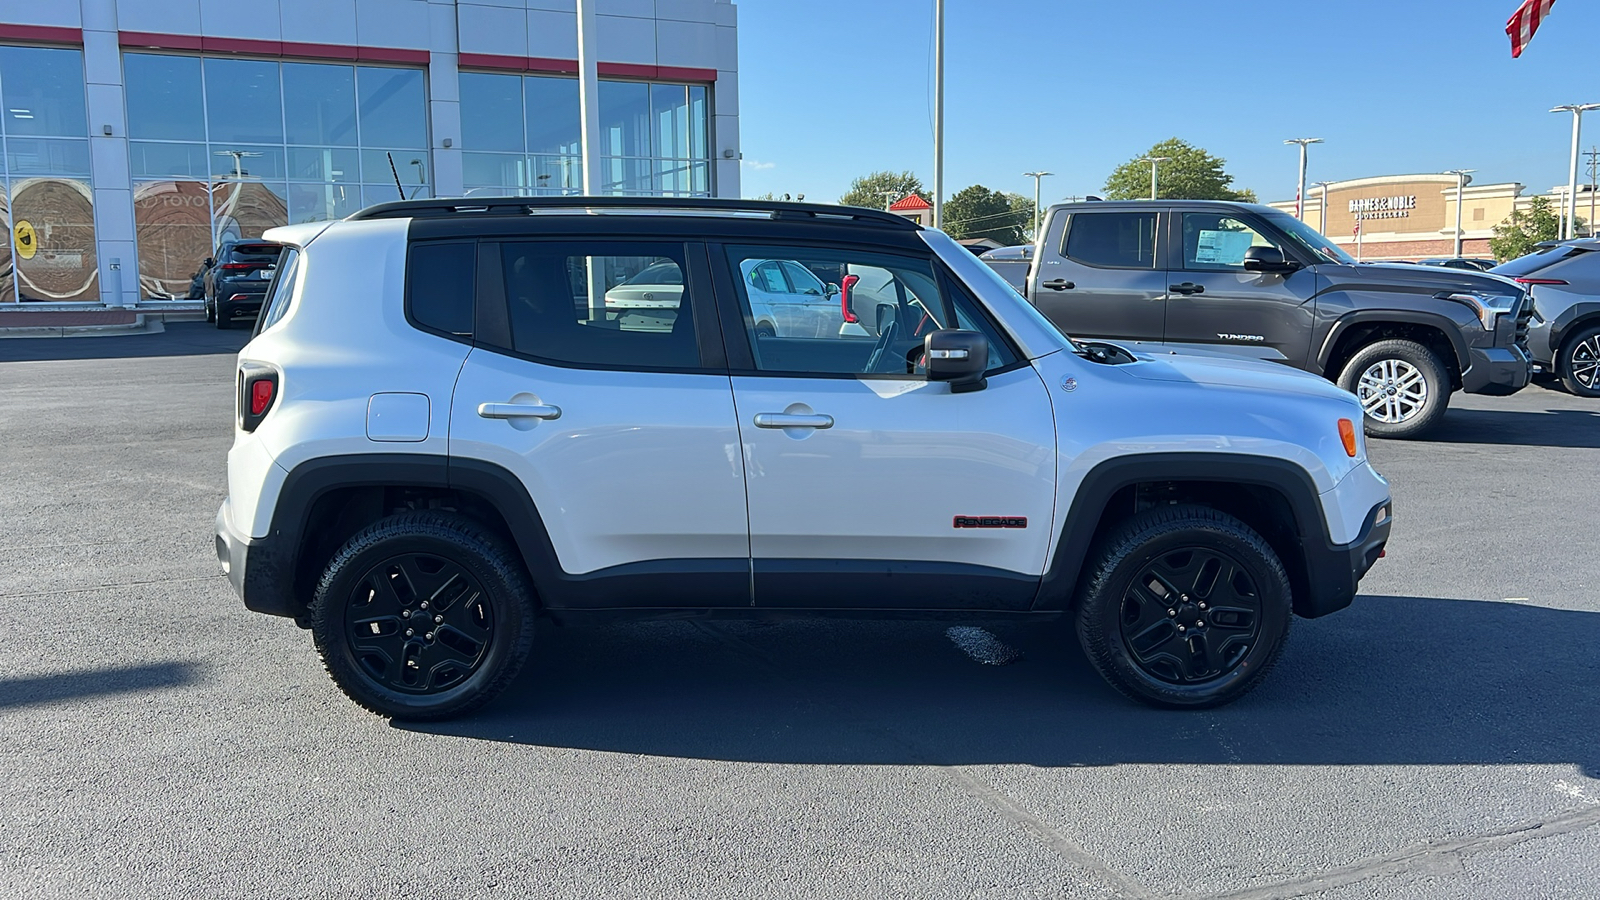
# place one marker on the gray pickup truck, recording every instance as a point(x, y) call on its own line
point(1200, 276)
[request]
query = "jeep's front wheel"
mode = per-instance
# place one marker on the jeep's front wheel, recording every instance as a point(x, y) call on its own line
point(423, 615)
point(1184, 607)
point(1403, 387)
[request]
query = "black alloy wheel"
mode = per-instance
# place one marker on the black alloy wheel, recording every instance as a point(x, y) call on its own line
point(423, 615)
point(1579, 363)
point(1184, 607)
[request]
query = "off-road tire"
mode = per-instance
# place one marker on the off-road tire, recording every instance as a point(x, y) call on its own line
point(1108, 596)
point(1578, 353)
point(477, 552)
point(1415, 357)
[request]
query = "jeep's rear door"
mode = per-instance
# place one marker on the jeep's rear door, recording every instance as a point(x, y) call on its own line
point(1100, 275)
point(870, 486)
point(618, 421)
point(1214, 304)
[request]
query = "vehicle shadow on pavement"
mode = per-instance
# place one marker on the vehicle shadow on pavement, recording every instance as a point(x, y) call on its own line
point(1393, 680)
point(1551, 428)
point(40, 689)
point(179, 339)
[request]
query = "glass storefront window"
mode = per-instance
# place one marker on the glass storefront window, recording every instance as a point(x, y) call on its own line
point(227, 147)
point(654, 136)
point(46, 200)
point(320, 104)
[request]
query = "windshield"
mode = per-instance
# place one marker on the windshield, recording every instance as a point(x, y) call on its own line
point(1309, 239)
point(1533, 262)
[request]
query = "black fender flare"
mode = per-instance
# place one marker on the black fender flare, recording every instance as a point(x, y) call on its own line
point(1320, 587)
point(1572, 319)
point(1451, 329)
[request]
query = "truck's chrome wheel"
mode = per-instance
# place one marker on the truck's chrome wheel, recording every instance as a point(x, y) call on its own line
point(1586, 362)
point(1191, 616)
point(1392, 391)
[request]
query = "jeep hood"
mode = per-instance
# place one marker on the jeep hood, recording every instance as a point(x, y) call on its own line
point(1226, 370)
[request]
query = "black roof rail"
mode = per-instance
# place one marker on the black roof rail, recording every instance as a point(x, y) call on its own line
point(522, 206)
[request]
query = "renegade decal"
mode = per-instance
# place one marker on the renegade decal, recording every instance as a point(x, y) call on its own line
point(991, 522)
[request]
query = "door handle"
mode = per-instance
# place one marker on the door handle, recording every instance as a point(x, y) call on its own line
point(791, 420)
point(1059, 284)
point(518, 411)
point(1188, 287)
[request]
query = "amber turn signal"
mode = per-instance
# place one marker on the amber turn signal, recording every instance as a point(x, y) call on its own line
point(1347, 433)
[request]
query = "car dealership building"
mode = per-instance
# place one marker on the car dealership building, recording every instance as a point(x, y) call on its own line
point(138, 135)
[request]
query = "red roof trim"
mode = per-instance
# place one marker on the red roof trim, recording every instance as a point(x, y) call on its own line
point(281, 49)
point(41, 33)
point(491, 61)
point(627, 70)
point(685, 73)
point(570, 67)
point(910, 202)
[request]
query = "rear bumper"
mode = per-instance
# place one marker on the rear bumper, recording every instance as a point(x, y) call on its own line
point(258, 572)
point(1334, 570)
point(1496, 370)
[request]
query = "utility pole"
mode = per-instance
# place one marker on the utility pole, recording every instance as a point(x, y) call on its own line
point(1154, 161)
point(1594, 155)
point(1577, 110)
point(589, 98)
point(1036, 176)
point(1461, 185)
point(889, 197)
point(938, 114)
point(1322, 208)
point(1300, 189)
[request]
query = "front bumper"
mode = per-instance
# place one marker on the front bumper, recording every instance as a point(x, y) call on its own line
point(1334, 570)
point(258, 572)
point(1496, 370)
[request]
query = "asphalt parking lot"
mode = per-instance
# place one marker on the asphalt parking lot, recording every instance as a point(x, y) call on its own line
point(1441, 738)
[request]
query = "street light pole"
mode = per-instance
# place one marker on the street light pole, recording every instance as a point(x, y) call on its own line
point(1300, 189)
point(1154, 161)
point(1461, 185)
point(1322, 207)
point(938, 114)
point(1577, 110)
point(589, 98)
point(1036, 176)
point(1594, 158)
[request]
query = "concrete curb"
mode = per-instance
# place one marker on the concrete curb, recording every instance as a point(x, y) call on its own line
point(142, 324)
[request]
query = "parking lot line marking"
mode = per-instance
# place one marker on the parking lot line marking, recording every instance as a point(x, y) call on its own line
point(1516, 600)
point(983, 647)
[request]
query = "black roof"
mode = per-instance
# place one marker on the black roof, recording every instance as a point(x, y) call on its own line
point(477, 207)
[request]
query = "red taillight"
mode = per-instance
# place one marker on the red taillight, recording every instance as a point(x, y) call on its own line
point(261, 396)
point(846, 302)
point(236, 266)
point(1540, 281)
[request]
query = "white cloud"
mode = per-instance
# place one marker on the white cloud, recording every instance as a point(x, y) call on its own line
point(757, 164)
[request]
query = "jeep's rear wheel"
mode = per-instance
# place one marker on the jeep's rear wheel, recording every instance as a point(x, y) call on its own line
point(1579, 363)
point(423, 615)
point(1403, 387)
point(1185, 607)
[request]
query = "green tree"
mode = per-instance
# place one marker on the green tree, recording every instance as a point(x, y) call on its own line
point(1190, 174)
point(1517, 235)
point(873, 190)
point(977, 212)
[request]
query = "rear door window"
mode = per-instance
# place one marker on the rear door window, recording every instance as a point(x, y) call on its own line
point(1113, 240)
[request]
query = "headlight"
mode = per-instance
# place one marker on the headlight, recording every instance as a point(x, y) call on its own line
point(1487, 306)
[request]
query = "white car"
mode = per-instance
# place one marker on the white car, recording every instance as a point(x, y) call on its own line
point(438, 441)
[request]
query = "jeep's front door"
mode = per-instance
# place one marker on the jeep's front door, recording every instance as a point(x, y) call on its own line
point(1214, 304)
point(619, 423)
point(1100, 276)
point(870, 486)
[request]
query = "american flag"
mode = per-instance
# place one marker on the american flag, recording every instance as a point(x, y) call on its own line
point(1525, 21)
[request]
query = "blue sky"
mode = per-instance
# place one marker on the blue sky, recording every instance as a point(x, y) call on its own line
point(832, 89)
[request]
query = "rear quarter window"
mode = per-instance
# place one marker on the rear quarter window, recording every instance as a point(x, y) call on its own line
point(281, 289)
point(441, 278)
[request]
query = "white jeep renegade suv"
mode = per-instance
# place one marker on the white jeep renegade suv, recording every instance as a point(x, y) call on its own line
point(444, 431)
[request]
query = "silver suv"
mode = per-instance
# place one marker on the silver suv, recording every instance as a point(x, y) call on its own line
point(1564, 281)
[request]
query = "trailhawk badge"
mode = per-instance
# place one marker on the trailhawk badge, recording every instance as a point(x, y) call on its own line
point(991, 522)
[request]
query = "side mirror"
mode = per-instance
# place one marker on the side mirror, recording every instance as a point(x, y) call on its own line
point(832, 289)
point(1267, 259)
point(209, 262)
point(958, 357)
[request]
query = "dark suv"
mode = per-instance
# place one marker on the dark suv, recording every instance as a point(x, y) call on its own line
point(1201, 276)
point(236, 279)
